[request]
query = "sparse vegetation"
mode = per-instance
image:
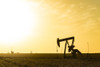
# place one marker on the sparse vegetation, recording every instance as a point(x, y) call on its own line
point(46, 60)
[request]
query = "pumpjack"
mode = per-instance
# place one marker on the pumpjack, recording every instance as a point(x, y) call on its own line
point(70, 47)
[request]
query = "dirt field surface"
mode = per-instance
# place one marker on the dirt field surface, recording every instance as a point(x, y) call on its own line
point(21, 61)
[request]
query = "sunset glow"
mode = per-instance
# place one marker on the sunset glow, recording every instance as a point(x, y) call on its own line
point(35, 25)
point(16, 21)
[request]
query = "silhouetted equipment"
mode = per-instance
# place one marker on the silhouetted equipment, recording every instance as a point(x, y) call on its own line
point(65, 39)
point(12, 52)
point(73, 51)
point(66, 42)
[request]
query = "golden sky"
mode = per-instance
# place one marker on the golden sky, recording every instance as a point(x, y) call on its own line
point(35, 25)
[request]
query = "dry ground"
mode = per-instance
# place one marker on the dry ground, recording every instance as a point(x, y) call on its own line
point(16, 61)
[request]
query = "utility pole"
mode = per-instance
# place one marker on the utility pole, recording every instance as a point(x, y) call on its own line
point(88, 49)
point(57, 49)
point(88, 46)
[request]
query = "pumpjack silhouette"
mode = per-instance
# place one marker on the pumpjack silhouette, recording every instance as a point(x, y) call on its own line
point(70, 47)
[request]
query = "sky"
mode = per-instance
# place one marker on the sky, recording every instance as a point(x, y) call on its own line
point(35, 25)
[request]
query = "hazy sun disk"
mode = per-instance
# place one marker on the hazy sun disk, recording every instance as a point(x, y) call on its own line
point(16, 20)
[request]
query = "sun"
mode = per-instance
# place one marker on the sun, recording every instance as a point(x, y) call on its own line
point(16, 21)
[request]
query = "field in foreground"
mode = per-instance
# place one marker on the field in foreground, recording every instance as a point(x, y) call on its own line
point(48, 60)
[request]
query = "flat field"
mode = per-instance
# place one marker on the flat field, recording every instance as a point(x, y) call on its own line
point(48, 60)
